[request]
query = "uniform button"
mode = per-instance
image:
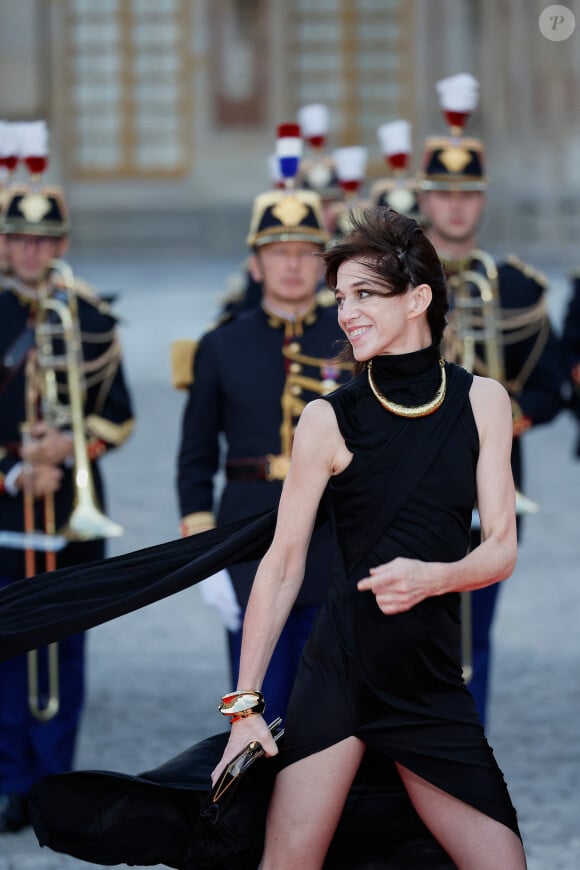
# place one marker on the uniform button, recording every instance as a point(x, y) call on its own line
point(295, 368)
point(294, 347)
point(296, 390)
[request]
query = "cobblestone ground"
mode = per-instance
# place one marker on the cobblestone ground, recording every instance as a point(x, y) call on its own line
point(154, 676)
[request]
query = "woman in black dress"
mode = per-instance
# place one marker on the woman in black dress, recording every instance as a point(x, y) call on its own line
point(401, 453)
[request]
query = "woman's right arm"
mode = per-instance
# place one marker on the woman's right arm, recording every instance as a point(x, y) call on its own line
point(317, 443)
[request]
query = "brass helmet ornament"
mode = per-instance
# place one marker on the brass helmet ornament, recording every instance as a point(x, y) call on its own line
point(31, 208)
point(35, 211)
point(287, 213)
point(454, 162)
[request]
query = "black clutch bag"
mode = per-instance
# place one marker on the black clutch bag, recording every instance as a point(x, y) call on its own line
point(226, 786)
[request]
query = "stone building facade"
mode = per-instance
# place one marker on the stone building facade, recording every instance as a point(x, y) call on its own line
point(162, 112)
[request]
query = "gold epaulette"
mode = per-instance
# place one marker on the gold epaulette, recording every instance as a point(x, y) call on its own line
point(182, 353)
point(326, 298)
point(528, 271)
point(88, 293)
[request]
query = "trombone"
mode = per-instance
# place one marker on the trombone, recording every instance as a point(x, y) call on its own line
point(57, 322)
point(43, 707)
point(86, 521)
point(475, 324)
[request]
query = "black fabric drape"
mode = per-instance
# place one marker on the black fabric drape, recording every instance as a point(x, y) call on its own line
point(154, 818)
point(114, 818)
point(54, 605)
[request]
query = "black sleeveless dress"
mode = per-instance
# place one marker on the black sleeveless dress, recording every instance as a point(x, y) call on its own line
point(395, 681)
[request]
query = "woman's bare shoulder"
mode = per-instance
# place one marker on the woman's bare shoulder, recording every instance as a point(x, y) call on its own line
point(317, 434)
point(318, 415)
point(488, 390)
point(490, 402)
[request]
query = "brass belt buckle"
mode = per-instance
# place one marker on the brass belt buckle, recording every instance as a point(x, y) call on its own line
point(277, 466)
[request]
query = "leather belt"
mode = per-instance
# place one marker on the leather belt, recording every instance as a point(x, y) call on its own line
point(269, 468)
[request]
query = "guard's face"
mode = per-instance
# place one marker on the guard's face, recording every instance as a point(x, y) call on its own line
point(289, 271)
point(29, 256)
point(453, 215)
point(375, 322)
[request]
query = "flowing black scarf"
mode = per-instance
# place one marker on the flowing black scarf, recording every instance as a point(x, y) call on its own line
point(54, 605)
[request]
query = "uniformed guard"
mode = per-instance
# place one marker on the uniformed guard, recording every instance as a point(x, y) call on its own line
point(499, 325)
point(63, 404)
point(250, 379)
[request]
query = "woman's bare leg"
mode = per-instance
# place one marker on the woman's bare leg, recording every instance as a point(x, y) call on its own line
point(306, 804)
point(472, 839)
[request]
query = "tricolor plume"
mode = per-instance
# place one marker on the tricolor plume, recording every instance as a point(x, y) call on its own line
point(458, 97)
point(289, 151)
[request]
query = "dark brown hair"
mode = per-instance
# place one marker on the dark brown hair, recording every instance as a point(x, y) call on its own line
point(397, 251)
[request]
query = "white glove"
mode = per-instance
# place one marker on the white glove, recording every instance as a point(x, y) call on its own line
point(218, 591)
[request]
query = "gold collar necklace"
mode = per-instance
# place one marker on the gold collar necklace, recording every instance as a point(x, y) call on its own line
point(418, 410)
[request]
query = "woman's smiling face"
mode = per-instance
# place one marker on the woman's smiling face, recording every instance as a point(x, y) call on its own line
point(374, 320)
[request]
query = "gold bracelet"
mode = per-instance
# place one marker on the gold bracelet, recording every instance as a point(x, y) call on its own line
point(241, 701)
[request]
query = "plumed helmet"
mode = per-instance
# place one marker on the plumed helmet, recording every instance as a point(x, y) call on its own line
point(287, 213)
point(35, 211)
point(454, 162)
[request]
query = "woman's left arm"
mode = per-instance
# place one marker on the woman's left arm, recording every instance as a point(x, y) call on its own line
point(400, 584)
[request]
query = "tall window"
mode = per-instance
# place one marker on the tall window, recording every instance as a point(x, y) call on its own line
point(357, 56)
point(128, 77)
point(239, 62)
